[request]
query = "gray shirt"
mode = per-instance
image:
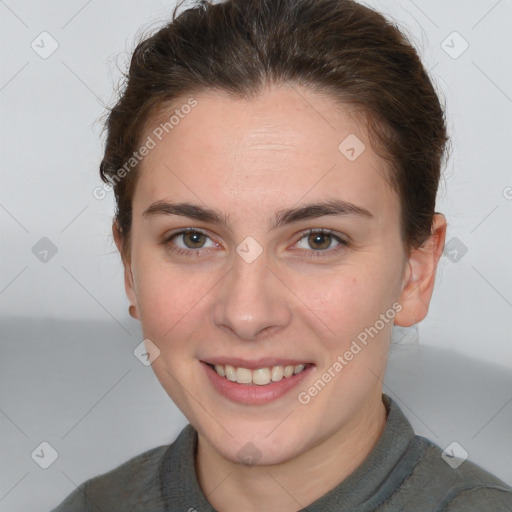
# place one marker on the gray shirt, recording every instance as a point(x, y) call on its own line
point(403, 472)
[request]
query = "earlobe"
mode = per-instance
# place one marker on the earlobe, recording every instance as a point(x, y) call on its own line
point(130, 290)
point(419, 276)
point(132, 310)
point(128, 276)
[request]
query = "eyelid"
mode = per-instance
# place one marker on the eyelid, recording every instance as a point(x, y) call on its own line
point(167, 242)
point(312, 231)
point(335, 235)
point(169, 236)
point(342, 242)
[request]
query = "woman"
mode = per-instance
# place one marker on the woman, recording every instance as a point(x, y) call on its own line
point(275, 165)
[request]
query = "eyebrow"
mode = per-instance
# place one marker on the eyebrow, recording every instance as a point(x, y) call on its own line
point(335, 207)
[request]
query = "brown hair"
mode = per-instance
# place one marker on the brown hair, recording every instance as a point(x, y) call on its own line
point(338, 47)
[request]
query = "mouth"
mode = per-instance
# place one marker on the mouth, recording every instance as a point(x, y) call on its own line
point(260, 376)
point(264, 382)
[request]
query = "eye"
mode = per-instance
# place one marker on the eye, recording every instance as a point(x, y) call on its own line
point(320, 240)
point(189, 241)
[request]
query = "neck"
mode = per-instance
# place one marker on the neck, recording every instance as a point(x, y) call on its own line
point(296, 483)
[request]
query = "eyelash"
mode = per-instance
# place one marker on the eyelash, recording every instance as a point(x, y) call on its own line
point(311, 253)
point(325, 252)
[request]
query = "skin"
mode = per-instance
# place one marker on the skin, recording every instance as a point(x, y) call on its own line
point(250, 160)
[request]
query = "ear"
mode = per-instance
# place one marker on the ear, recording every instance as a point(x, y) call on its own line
point(128, 276)
point(419, 276)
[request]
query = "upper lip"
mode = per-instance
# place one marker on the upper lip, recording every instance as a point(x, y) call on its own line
point(254, 364)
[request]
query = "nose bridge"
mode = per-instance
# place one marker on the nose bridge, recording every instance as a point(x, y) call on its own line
point(251, 300)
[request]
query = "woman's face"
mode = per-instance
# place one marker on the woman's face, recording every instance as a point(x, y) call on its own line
point(255, 284)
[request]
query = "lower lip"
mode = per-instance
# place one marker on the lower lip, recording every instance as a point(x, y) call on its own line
point(252, 394)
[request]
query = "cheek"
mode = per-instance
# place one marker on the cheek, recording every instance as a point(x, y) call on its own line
point(342, 303)
point(167, 296)
point(334, 300)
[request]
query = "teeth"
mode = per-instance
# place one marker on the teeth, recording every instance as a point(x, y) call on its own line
point(243, 376)
point(230, 373)
point(277, 373)
point(288, 371)
point(298, 369)
point(261, 376)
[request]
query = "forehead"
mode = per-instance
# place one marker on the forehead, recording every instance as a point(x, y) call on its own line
point(285, 145)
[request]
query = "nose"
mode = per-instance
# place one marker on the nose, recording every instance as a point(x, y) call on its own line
point(252, 301)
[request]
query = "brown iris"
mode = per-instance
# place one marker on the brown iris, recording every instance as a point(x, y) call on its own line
point(320, 240)
point(195, 239)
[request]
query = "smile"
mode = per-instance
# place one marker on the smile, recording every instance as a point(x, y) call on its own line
point(259, 376)
point(263, 383)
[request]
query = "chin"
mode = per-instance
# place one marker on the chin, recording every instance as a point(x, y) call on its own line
point(253, 446)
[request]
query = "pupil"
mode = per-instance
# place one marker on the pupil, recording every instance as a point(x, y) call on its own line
point(195, 239)
point(321, 240)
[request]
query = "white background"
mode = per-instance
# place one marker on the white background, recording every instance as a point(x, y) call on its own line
point(51, 149)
